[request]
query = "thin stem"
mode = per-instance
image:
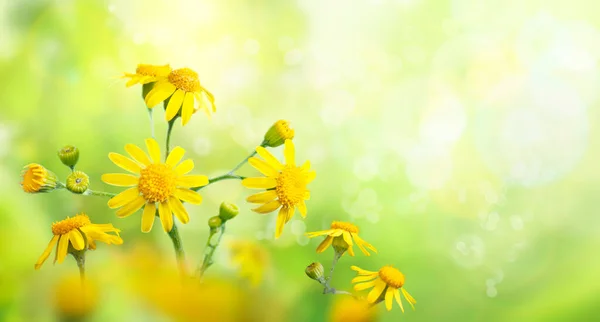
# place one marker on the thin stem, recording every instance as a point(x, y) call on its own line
point(178, 247)
point(219, 178)
point(79, 256)
point(210, 251)
point(242, 163)
point(91, 192)
point(151, 122)
point(169, 130)
point(336, 258)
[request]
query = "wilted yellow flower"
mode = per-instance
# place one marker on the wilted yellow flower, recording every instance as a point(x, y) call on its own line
point(79, 233)
point(183, 88)
point(36, 178)
point(155, 185)
point(386, 284)
point(349, 309)
point(342, 233)
point(252, 259)
point(145, 74)
point(74, 300)
point(285, 184)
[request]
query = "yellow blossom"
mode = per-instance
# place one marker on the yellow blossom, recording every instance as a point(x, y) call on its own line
point(251, 258)
point(386, 285)
point(145, 74)
point(342, 233)
point(36, 179)
point(348, 309)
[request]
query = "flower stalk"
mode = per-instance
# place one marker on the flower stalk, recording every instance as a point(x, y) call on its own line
point(178, 247)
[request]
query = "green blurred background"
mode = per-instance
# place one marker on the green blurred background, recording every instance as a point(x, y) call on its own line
point(460, 136)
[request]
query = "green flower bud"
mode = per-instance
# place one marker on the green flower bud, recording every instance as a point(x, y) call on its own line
point(69, 155)
point(339, 245)
point(228, 211)
point(315, 271)
point(214, 222)
point(78, 182)
point(278, 133)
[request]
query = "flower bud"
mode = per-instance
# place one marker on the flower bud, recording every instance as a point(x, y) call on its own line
point(339, 245)
point(228, 211)
point(69, 155)
point(36, 179)
point(315, 271)
point(78, 182)
point(214, 222)
point(278, 133)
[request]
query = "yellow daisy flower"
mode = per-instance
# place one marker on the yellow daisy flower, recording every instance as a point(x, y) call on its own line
point(342, 233)
point(386, 284)
point(155, 185)
point(74, 301)
point(77, 232)
point(36, 178)
point(183, 88)
point(285, 184)
point(349, 309)
point(251, 258)
point(145, 74)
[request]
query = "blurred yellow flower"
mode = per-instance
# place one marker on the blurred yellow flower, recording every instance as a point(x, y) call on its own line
point(74, 301)
point(386, 284)
point(78, 232)
point(252, 260)
point(183, 87)
point(36, 178)
point(342, 233)
point(348, 309)
point(285, 184)
point(145, 74)
point(155, 183)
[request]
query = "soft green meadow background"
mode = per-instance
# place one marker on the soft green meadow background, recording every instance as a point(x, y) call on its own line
point(460, 136)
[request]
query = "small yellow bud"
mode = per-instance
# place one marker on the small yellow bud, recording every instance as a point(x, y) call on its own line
point(78, 182)
point(228, 211)
point(339, 245)
point(214, 222)
point(69, 155)
point(278, 133)
point(36, 179)
point(315, 271)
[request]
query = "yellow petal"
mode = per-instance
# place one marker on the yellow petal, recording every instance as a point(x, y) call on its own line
point(46, 252)
point(362, 244)
point(175, 156)
point(268, 207)
point(160, 92)
point(262, 197)
point(153, 150)
point(124, 162)
point(179, 210)
point(184, 167)
point(259, 183)
point(188, 195)
point(365, 278)
point(398, 299)
point(192, 181)
point(361, 271)
point(137, 154)
point(281, 217)
point(148, 217)
point(310, 176)
point(174, 104)
point(166, 217)
point(131, 207)
point(409, 298)
point(305, 166)
point(123, 198)
point(61, 251)
point(76, 239)
point(289, 152)
point(134, 80)
point(263, 167)
point(271, 160)
point(364, 286)
point(347, 238)
point(188, 108)
point(318, 233)
point(120, 179)
point(289, 212)
point(376, 291)
point(324, 244)
point(389, 297)
point(302, 209)
point(351, 250)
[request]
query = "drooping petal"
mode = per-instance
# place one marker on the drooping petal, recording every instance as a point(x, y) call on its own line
point(259, 183)
point(166, 217)
point(409, 298)
point(175, 156)
point(179, 210)
point(191, 181)
point(364, 286)
point(376, 291)
point(268, 207)
point(185, 167)
point(76, 239)
point(160, 92)
point(174, 104)
point(137, 154)
point(318, 233)
point(302, 209)
point(310, 176)
point(120, 179)
point(124, 162)
point(362, 244)
point(188, 195)
point(271, 160)
point(361, 271)
point(389, 297)
point(188, 108)
point(131, 207)
point(263, 167)
point(148, 217)
point(61, 250)
point(123, 198)
point(324, 244)
point(351, 250)
point(281, 217)
point(263, 197)
point(289, 152)
point(46, 252)
point(153, 150)
point(364, 278)
point(347, 238)
point(398, 299)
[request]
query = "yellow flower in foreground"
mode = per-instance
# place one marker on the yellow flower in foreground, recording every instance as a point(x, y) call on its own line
point(155, 185)
point(183, 87)
point(252, 260)
point(285, 184)
point(386, 284)
point(342, 233)
point(348, 309)
point(74, 301)
point(78, 232)
point(145, 74)
point(36, 178)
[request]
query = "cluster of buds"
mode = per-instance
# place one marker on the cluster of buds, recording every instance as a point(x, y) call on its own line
point(227, 211)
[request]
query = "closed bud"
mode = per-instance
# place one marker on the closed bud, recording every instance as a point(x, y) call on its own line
point(69, 155)
point(315, 271)
point(214, 222)
point(228, 211)
point(278, 133)
point(78, 182)
point(37, 179)
point(339, 245)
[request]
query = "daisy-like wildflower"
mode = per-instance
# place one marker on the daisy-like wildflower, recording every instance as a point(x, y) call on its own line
point(285, 184)
point(183, 88)
point(154, 184)
point(78, 232)
point(145, 74)
point(386, 285)
point(36, 179)
point(252, 260)
point(342, 235)
point(349, 309)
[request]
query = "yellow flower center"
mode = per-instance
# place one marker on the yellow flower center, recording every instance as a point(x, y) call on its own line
point(391, 276)
point(344, 226)
point(65, 226)
point(185, 79)
point(152, 70)
point(157, 182)
point(291, 186)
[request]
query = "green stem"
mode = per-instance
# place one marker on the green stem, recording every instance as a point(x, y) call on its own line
point(169, 130)
point(210, 251)
point(336, 258)
point(219, 178)
point(243, 162)
point(151, 122)
point(90, 192)
point(79, 256)
point(178, 246)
